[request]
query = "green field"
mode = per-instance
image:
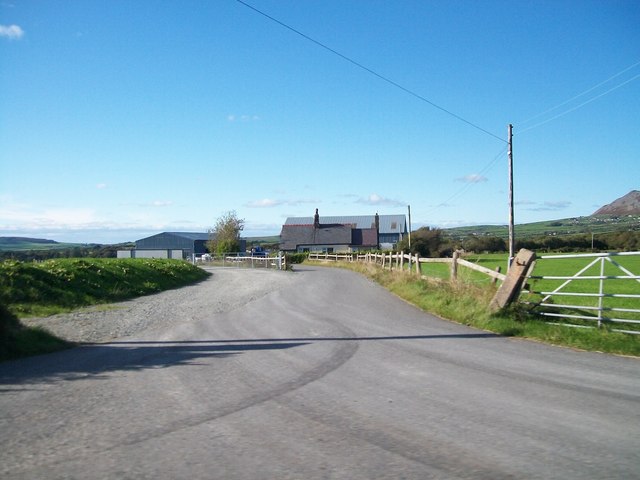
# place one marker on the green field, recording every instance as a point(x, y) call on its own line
point(567, 226)
point(562, 267)
point(25, 245)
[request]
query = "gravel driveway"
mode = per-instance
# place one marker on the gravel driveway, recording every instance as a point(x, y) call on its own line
point(225, 290)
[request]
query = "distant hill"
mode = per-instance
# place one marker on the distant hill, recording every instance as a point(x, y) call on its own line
point(565, 226)
point(627, 205)
point(21, 240)
point(18, 244)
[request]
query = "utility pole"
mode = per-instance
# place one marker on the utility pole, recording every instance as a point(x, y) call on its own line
point(409, 209)
point(511, 229)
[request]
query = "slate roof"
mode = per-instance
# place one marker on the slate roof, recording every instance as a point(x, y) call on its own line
point(364, 237)
point(293, 235)
point(388, 223)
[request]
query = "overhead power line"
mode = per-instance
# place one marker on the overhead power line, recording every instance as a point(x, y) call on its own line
point(469, 185)
point(586, 102)
point(369, 70)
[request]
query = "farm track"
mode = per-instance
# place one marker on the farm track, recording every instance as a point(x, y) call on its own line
point(318, 373)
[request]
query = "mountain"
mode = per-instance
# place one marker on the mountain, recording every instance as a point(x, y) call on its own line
point(627, 205)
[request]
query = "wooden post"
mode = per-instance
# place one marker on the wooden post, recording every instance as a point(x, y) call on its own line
point(516, 276)
point(454, 265)
point(402, 260)
point(512, 241)
point(418, 264)
point(495, 279)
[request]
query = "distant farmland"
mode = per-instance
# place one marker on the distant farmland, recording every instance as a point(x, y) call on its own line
point(568, 226)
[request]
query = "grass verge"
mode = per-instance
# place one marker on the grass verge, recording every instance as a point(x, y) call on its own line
point(17, 340)
point(61, 285)
point(467, 303)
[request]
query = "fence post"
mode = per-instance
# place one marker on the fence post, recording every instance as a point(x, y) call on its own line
point(495, 279)
point(512, 284)
point(454, 265)
point(418, 265)
point(601, 297)
point(402, 260)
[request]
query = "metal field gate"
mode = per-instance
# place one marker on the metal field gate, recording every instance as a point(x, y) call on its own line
point(603, 291)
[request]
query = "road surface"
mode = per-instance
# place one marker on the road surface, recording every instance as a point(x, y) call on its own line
point(323, 375)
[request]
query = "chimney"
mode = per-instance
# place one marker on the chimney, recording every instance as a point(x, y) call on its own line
point(316, 220)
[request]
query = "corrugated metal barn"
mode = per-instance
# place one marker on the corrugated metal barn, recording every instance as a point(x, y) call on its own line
point(189, 242)
point(180, 245)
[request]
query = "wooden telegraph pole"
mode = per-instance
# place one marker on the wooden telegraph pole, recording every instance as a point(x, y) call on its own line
point(511, 229)
point(409, 209)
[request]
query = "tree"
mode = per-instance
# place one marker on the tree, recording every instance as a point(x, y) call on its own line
point(224, 237)
point(427, 242)
point(484, 243)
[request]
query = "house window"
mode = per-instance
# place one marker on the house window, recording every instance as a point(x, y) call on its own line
point(394, 225)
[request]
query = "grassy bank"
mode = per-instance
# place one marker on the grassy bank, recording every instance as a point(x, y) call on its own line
point(17, 340)
point(61, 285)
point(467, 303)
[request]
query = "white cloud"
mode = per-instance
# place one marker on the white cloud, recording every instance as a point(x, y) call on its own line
point(161, 203)
point(242, 118)
point(15, 216)
point(269, 202)
point(101, 186)
point(12, 32)
point(375, 199)
point(550, 206)
point(85, 224)
point(264, 203)
point(302, 201)
point(472, 178)
point(152, 204)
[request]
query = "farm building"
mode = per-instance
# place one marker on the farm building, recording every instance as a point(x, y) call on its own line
point(168, 245)
point(342, 234)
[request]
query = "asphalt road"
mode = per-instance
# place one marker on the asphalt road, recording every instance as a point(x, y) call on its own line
point(327, 377)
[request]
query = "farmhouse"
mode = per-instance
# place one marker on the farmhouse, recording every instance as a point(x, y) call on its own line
point(342, 234)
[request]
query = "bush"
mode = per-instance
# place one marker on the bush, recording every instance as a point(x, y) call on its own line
point(293, 258)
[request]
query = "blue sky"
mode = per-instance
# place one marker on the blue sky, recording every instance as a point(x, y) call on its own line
point(122, 119)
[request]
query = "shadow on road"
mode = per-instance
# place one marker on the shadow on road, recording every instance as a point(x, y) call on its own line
point(99, 359)
point(314, 339)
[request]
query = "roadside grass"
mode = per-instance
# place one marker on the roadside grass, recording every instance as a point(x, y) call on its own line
point(466, 302)
point(61, 285)
point(17, 340)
